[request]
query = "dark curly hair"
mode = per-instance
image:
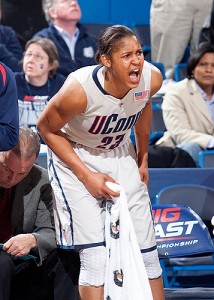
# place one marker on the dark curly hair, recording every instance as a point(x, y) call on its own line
point(197, 55)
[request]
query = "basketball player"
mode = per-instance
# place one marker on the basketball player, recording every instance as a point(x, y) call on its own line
point(87, 126)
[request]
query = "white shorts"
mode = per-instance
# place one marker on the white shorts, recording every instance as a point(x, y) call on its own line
point(79, 217)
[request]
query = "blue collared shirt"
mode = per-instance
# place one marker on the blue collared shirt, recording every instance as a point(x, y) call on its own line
point(70, 41)
point(209, 102)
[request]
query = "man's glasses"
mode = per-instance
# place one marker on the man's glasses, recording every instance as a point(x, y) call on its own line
point(65, 1)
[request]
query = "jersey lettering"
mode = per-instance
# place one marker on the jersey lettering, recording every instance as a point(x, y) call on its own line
point(111, 124)
point(97, 124)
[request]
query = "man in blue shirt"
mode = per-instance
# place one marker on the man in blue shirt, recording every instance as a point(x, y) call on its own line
point(76, 47)
point(9, 118)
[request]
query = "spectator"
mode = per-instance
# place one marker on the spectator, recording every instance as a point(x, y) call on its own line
point(9, 121)
point(207, 31)
point(75, 46)
point(188, 106)
point(10, 48)
point(26, 221)
point(173, 25)
point(39, 81)
point(26, 17)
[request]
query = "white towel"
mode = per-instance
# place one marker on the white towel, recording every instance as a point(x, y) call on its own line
point(125, 275)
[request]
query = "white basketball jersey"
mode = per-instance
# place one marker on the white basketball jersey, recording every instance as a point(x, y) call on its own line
point(107, 121)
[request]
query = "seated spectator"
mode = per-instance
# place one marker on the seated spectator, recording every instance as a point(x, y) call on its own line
point(26, 224)
point(39, 81)
point(9, 121)
point(207, 31)
point(188, 106)
point(10, 48)
point(76, 47)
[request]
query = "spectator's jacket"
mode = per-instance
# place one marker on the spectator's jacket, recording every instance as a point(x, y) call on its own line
point(186, 116)
point(85, 49)
point(32, 211)
point(9, 118)
point(10, 49)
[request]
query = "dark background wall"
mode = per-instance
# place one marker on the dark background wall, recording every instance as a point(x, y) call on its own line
point(26, 16)
point(123, 12)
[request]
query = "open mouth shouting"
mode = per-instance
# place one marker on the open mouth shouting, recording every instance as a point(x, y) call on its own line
point(135, 76)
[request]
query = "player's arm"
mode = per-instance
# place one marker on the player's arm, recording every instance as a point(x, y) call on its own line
point(143, 127)
point(60, 109)
point(156, 80)
point(142, 132)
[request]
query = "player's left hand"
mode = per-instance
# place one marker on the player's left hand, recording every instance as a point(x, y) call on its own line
point(144, 175)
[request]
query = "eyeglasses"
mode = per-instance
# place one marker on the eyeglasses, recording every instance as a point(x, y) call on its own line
point(65, 1)
point(37, 57)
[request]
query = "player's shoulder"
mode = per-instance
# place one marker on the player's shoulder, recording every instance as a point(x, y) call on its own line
point(83, 73)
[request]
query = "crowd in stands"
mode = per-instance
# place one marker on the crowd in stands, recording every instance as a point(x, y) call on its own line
point(36, 57)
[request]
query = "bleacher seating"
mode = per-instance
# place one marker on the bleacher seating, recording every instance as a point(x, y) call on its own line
point(180, 71)
point(199, 197)
point(157, 118)
point(160, 178)
point(184, 243)
point(206, 159)
point(161, 67)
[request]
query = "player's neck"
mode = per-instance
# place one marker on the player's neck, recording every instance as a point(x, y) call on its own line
point(113, 87)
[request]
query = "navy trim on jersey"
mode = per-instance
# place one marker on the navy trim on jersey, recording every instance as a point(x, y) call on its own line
point(65, 247)
point(94, 76)
point(51, 164)
point(82, 246)
point(149, 249)
point(85, 246)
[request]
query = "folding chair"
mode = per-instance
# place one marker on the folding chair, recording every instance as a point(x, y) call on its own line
point(180, 232)
point(206, 159)
point(157, 119)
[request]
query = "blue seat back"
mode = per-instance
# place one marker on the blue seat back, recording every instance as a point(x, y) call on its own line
point(180, 231)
